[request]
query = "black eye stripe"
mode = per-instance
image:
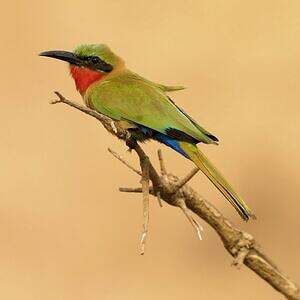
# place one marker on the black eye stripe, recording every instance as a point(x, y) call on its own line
point(105, 67)
point(83, 58)
point(96, 63)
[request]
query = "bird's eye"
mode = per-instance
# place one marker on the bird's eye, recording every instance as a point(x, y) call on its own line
point(95, 59)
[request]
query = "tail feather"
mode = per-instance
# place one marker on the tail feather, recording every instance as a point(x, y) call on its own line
point(217, 179)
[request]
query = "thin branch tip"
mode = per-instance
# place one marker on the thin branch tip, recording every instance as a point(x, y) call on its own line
point(60, 96)
point(130, 190)
point(123, 161)
point(189, 216)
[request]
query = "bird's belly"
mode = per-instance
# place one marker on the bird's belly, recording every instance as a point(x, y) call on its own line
point(135, 130)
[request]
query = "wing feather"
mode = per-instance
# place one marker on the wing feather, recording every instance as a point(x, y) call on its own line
point(126, 98)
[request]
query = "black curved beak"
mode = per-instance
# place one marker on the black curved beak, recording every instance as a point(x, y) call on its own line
point(63, 55)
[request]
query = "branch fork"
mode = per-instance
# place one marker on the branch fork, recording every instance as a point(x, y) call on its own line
point(163, 186)
point(174, 191)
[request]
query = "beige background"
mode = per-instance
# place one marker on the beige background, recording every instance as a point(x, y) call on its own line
point(66, 232)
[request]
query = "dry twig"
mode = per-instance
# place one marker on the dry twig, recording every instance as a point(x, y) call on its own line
point(190, 217)
point(163, 170)
point(131, 190)
point(122, 160)
point(145, 190)
point(239, 244)
point(180, 183)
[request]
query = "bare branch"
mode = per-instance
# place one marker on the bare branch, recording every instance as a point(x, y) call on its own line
point(107, 122)
point(130, 190)
point(163, 170)
point(145, 189)
point(93, 113)
point(154, 177)
point(240, 258)
point(122, 160)
point(190, 218)
point(239, 244)
point(181, 182)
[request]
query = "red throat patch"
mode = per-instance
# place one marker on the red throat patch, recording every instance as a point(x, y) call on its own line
point(84, 77)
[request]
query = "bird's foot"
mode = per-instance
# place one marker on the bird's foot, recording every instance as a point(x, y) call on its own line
point(131, 143)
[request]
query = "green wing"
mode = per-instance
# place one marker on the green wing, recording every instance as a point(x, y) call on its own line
point(126, 97)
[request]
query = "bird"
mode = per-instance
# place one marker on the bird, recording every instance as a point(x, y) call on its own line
point(143, 108)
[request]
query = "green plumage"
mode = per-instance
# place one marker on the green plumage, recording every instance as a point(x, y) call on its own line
point(128, 97)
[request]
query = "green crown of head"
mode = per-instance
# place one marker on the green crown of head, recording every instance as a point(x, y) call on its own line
point(100, 50)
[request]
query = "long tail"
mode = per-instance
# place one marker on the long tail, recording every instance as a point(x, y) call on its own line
point(217, 179)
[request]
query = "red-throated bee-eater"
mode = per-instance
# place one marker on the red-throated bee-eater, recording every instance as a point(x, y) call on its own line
point(143, 108)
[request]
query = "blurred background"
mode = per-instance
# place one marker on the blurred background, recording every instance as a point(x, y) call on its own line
point(66, 232)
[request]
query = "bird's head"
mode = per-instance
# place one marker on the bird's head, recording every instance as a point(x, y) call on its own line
point(88, 63)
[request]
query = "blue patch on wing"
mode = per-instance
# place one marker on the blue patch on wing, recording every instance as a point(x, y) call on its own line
point(162, 138)
point(174, 144)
